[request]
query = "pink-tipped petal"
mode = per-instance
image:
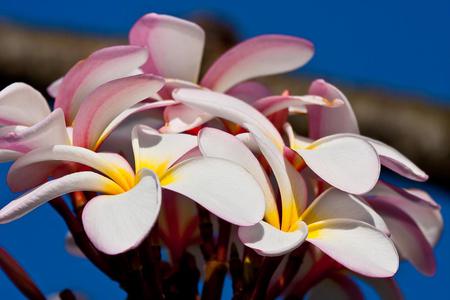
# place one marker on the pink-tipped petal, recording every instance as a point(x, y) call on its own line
point(100, 67)
point(249, 91)
point(407, 236)
point(117, 223)
point(53, 88)
point(36, 166)
point(49, 131)
point(259, 56)
point(158, 152)
point(356, 245)
point(80, 181)
point(180, 118)
point(349, 164)
point(107, 102)
point(175, 46)
point(335, 204)
point(222, 187)
point(325, 121)
point(273, 104)
point(217, 143)
point(229, 108)
point(20, 104)
point(267, 240)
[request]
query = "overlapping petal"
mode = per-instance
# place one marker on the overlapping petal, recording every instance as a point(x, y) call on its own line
point(259, 56)
point(20, 104)
point(267, 240)
point(175, 46)
point(222, 187)
point(117, 223)
point(107, 102)
point(80, 181)
point(100, 67)
point(356, 245)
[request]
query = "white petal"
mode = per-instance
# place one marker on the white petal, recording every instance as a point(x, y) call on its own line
point(229, 108)
point(117, 223)
point(80, 181)
point(175, 46)
point(335, 204)
point(325, 121)
point(179, 118)
point(158, 152)
point(358, 246)
point(7, 155)
point(267, 240)
point(49, 131)
point(349, 164)
point(20, 104)
point(36, 166)
point(217, 143)
point(222, 187)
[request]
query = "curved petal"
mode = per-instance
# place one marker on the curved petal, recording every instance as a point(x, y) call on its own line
point(259, 56)
point(222, 187)
point(20, 104)
point(158, 152)
point(36, 166)
point(415, 204)
point(325, 121)
point(393, 159)
point(229, 108)
point(278, 164)
point(53, 88)
point(107, 102)
point(179, 118)
point(267, 240)
point(337, 286)
point(175, 46)
point(249, 91)
point(273, 104)
point(335, 204)
point(47, 132)
point(217, 143)
point(80, 181)
point(130, 112)
point(7, 155)
point(117, 223)
point(358, 246)
point(408, 238)
point(100, 67)
point(349, 164)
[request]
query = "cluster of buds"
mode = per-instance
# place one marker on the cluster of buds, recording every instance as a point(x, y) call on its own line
point(140, 157)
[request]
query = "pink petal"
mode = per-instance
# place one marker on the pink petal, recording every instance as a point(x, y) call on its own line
point(100, 67)
point(337, 286)
point(358, 246)
point(267, 240)
point(407, 236)
point(175, 46)
point(180, 118)
point(107, 102)
point(80, 181)
point(259, 56)
point(249, 91)
point(325, 121)
point(20, 104)
point(53, 88)
point(117, 223)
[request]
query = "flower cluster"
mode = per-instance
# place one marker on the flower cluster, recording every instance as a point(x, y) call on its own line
point(151, 155)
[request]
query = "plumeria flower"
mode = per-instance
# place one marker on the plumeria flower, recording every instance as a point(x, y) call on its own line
point(264, 55)
point(121, 217)
point(341, 225)
point(27, 123)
